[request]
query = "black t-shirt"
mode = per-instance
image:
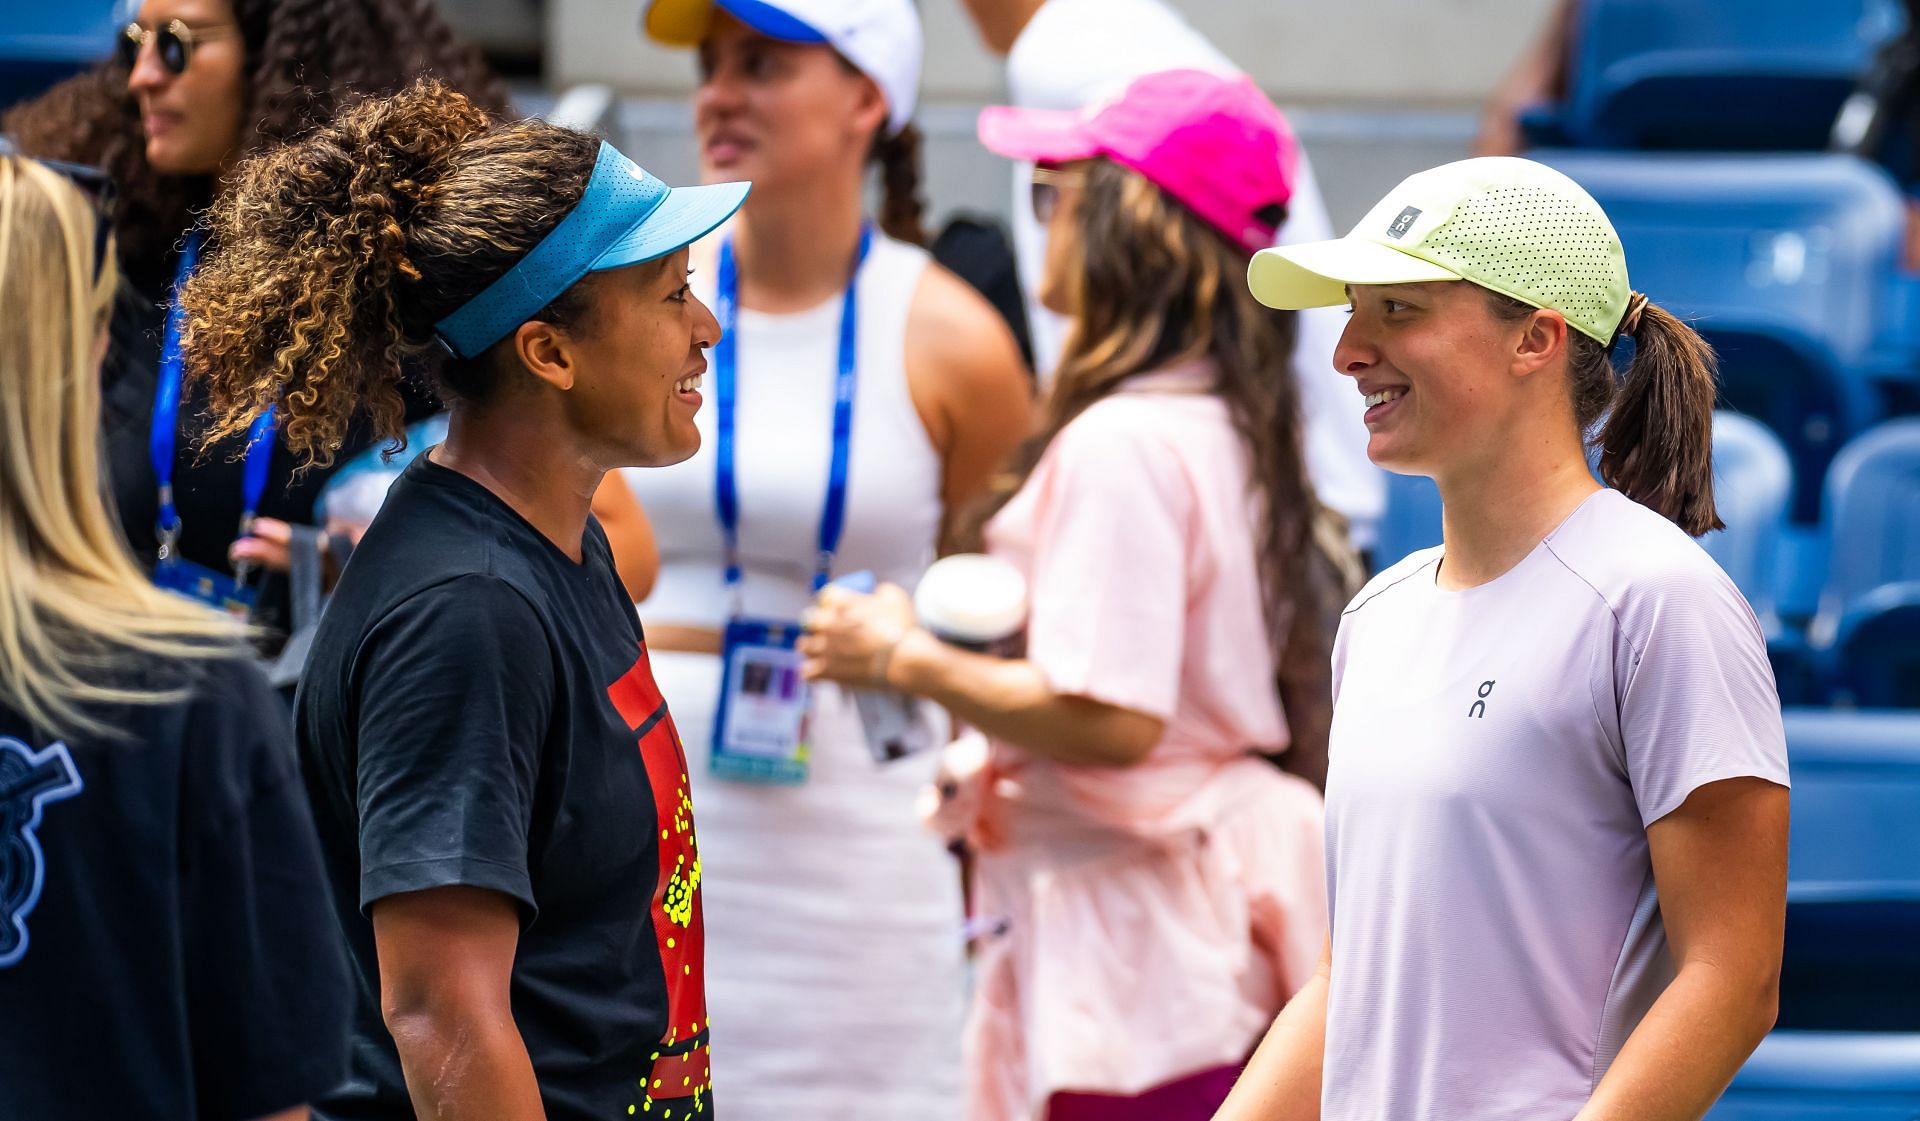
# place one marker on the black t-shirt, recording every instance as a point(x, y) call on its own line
point(209, 487)
point(478, 709)
point(179, 959)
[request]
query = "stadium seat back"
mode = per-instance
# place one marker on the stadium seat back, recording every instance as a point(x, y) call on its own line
point(1827, 1076)
point(1703, 74)
point(1853, 873)
point(1876, 651)
point(1808, 243)
point(1792, 386)
point(1752, 485)
point(1873, 513)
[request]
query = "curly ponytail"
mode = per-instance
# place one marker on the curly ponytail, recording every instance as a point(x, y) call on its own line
point(1656, 445)
point(902, 210)
point(331, 259)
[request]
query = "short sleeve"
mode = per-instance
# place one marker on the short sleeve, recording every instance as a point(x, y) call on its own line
point(1112, 522)
point(1698, 703)
point(455, 691)
point(268, 1011)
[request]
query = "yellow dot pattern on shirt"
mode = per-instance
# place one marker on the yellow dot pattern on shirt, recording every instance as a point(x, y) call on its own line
point(681, 887)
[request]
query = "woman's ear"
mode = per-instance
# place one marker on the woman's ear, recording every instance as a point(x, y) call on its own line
point(1542, 340)
point(547, 352)
point(870, 113)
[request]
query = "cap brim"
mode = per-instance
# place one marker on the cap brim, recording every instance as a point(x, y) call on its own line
point(1041, 135)
point(684, 23)
point(685, 216)
point(1316, 273)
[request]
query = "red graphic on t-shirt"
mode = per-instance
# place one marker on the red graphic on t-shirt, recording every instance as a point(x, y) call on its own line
point(677, 924)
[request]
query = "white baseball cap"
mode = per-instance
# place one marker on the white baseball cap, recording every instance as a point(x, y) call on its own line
point(880, 37)
point(1518, 227)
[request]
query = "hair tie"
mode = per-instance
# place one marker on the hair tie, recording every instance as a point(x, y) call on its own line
point(1636, 306)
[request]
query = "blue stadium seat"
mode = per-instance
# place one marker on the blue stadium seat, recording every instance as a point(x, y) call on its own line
point(1872, 515)
point(42, 43)
point(1752, 484)
point(1760, 75)
point(1875, 659)
point(1853, 872)
point(1827, 1076)
point(1789, 265)
point(1411, 521)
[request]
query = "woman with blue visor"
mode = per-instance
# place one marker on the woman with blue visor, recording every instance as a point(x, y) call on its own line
point(500, 792)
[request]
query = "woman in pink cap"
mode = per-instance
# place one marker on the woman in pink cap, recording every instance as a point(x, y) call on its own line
point(1150, 885)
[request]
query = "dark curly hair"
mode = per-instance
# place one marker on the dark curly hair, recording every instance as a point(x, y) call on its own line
point(304, 59)
point(331, 259)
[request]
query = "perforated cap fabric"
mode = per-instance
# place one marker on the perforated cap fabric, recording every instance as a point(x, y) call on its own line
point(1509, 224)
point(881, 38)
point(626, 216)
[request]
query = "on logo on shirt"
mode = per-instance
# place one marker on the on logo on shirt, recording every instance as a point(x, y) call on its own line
point(1478, 710)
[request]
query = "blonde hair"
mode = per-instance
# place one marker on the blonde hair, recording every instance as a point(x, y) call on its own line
point(80, 625)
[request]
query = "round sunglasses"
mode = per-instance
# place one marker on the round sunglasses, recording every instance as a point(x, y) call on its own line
point(1047, 182)
point(174, 42)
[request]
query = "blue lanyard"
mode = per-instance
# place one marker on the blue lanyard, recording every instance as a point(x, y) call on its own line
point(833, 519)
point(166, 418)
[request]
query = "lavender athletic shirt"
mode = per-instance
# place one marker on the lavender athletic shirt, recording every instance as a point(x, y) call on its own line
point(1497, 754)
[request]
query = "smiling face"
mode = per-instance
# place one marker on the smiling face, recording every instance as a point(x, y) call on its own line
point(193, 120)
point(634, 362)
point(1437, 369)
point(778, 113)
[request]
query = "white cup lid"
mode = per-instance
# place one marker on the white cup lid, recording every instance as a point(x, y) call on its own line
point(972, 597)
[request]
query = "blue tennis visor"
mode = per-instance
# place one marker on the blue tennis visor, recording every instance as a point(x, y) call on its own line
point(684, 23)
point(625, 217)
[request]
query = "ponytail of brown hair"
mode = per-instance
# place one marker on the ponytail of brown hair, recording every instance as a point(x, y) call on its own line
point(1657, 442)
point(330, 260)
point(1655, 420)
point(902, 210)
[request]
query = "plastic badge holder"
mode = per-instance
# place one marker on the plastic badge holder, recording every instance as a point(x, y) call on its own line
point(895, 724)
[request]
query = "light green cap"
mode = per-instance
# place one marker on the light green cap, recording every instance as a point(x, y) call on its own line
point(1509, 224)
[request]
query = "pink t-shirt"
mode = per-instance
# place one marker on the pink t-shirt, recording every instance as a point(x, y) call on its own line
point(1149, 921)
point(1497, 755)
point(1135, 533)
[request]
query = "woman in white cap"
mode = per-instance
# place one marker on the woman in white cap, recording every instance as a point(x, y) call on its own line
point(1557, 808)
point(864, 396)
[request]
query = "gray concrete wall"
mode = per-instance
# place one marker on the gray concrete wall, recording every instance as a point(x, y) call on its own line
point(1442, 54)
point(1376, 88)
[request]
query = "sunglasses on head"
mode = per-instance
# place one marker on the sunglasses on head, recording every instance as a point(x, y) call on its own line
point(1047, 182)
point(174, 42)
point(96, 184)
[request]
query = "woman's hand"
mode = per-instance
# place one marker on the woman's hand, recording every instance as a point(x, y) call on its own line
point(269, 546)
point(850, 637)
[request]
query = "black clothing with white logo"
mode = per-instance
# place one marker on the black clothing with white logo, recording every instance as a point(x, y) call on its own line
point(166, 948)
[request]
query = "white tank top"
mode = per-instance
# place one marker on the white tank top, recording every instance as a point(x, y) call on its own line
point(783, 446)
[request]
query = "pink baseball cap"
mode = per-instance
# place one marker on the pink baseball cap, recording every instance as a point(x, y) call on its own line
point(1214, 143)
